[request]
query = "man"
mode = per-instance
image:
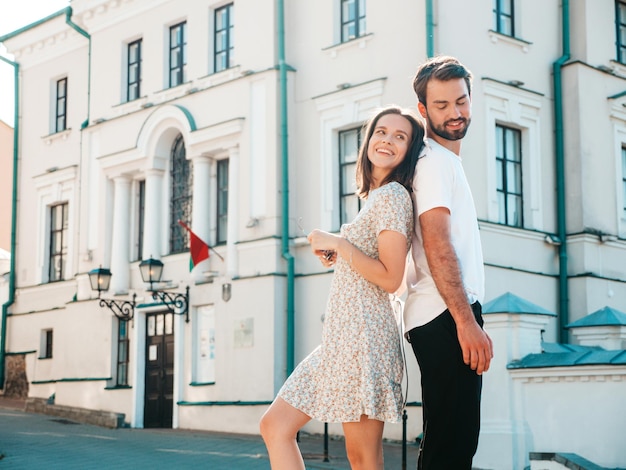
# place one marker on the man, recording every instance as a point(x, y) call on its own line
point(442, 313)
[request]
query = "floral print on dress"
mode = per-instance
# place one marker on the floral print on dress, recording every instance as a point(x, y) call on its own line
point(357, 370)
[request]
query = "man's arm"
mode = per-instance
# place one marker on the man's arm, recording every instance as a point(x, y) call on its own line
point(444, 266)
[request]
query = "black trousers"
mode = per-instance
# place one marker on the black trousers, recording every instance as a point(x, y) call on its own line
point(451, 393)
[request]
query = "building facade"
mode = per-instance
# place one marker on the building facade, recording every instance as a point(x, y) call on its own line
point(6, 184)
point(241, 120)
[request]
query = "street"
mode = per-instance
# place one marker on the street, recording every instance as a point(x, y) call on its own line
point(34, 441)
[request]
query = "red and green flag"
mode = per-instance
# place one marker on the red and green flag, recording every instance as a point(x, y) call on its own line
point(198, 249)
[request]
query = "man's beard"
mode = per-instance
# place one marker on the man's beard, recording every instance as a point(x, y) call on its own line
point(449, 135)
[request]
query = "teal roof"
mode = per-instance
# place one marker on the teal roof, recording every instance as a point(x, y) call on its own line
point(17, 32)
point(604, 317)
point(563, 348)
point(510, 303)
point(591, 356)
point(619, 95)
point(568, 460)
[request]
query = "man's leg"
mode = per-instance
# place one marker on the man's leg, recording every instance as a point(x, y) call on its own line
point(450, 397)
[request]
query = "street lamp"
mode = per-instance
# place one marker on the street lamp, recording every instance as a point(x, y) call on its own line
point(100, 278)
point(151, 270)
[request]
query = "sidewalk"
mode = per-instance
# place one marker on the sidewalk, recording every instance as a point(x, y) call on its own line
point(12, 403)
point(33, 441)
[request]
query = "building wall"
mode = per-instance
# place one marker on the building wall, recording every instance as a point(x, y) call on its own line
point(6, 185)
point(111, 145)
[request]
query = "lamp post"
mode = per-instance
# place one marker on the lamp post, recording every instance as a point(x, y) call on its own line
point(177, 303)
point(100, 279)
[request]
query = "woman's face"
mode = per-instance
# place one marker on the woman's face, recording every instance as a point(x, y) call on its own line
point(388, 144)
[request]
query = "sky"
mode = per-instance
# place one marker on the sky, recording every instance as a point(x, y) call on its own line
point(15, 15)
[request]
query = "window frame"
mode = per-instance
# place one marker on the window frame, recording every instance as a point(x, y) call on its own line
point(60, 100)
point(623, 155)
point(344, 216)
point(505, 162)
point(55, 275)
point(499, 16)
point(129, 65)
point(141, 218)
point(347, 108)
point(620, 47)
point(358, 21)
point(181, 195)
point(222, 183)
point(122, 362)
point(521, 109)
point(204, 351)
point(228, 44)
point(179, 49)
point(46, 341)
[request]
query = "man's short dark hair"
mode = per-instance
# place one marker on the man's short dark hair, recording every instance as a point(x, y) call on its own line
point(440, 68)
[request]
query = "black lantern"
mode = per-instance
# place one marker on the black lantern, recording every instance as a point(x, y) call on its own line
point(100, 280)
point(151, 271)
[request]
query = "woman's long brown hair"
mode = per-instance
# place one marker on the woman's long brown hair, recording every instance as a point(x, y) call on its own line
point(404, 172)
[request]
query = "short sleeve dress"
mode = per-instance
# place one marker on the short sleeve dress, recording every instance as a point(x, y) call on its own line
point(357, 370)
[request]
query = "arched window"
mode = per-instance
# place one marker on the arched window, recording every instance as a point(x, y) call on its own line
point(181, 178)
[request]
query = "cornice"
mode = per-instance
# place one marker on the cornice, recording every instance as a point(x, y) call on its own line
point(40, 38)
point(40, 41)
point(97, 15)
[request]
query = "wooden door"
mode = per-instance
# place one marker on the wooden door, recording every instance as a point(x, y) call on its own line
point(159, 396)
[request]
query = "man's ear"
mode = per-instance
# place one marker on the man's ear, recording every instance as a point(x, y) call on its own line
point(422, 109)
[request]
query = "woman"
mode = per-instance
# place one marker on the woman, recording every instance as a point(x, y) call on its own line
point(354, 377)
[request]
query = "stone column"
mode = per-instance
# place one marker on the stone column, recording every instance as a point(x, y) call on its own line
point(232, 230)
point(120, 253)
point(505, 437)
point(152, 218)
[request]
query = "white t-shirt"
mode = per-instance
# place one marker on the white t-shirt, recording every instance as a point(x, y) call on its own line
point(440, 182)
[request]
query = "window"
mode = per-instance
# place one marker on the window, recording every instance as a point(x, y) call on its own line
point(58, 242)
point(352, 19)
point(55, 194)
point(45, 344)
point(624, 179)
point(509, 176)
point(178, 54)
point(224, 39)
point(141, 216)
point(122, 353)
point(133, 85)
point(61, 106)
point(349, 202)
point(180, 203)
point(222, 201)
point(204, 346)
point(503, 17)
point(343, 111)
point(620, 29)
point(514, 128)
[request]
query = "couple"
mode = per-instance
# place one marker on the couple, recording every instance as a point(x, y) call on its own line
point(354, 377)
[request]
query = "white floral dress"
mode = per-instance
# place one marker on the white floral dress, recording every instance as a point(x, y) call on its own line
point(357, 370)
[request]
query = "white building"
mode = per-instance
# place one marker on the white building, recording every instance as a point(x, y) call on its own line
point(138, 113)
point(6, 183)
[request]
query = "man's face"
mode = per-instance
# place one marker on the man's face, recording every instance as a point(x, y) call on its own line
point(448, 110)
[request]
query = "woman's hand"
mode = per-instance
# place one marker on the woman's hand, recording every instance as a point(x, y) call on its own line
point(324, 246)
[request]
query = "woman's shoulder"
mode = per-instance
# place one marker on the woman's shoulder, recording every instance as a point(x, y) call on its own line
point(393, 189)
point(392, 193)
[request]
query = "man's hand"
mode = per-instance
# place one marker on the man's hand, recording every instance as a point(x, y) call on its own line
point(476, 345)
